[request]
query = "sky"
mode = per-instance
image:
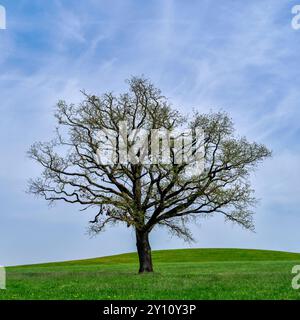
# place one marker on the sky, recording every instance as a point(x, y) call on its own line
point(242, 57)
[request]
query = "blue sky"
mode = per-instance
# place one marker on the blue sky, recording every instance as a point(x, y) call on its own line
point(238, 56)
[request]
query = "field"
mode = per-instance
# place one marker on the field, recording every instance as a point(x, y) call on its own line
point(179, 274)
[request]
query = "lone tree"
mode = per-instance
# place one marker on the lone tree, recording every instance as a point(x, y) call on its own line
point(145, 195)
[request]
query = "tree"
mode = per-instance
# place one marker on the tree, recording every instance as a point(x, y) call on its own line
point(145, 195)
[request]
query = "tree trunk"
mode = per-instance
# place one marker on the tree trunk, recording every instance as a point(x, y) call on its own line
point(144, 251)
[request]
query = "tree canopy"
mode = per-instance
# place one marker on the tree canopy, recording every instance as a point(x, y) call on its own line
point(146, 195)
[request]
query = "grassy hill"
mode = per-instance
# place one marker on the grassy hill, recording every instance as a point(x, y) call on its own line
point(179, 274)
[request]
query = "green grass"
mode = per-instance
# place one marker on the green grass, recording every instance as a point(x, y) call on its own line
point(179, 274)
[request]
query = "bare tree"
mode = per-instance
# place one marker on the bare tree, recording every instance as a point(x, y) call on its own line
point(145, 195)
